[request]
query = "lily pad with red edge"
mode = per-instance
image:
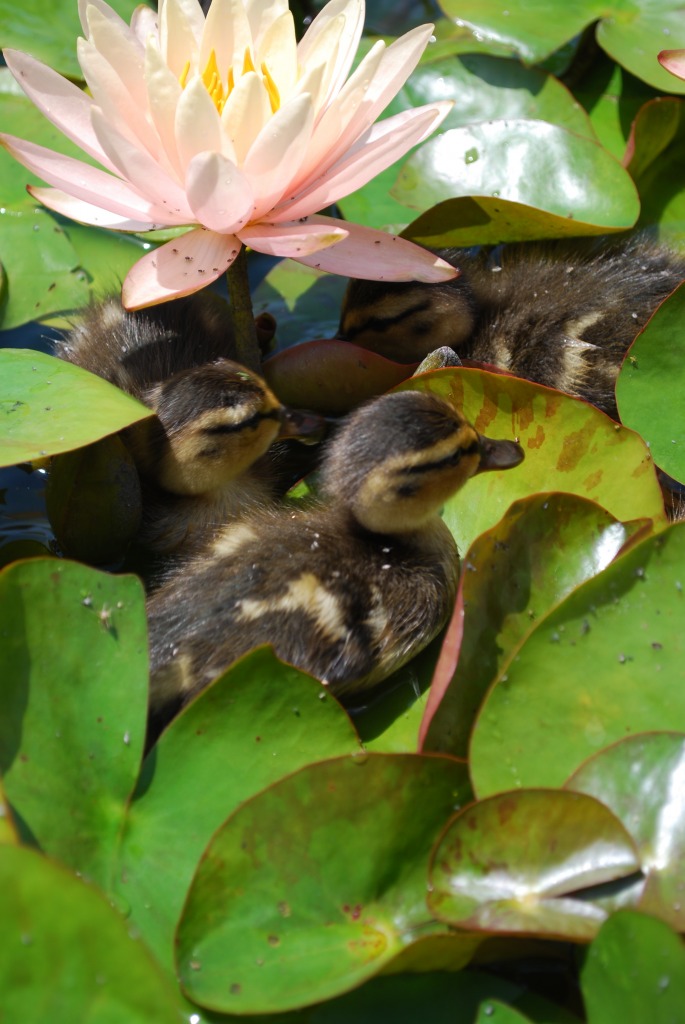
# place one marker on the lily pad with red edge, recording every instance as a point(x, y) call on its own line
point(570, 446)
point(651, 385)
point(317, 883)
point(634, 972)
point(543, 547)
point(604, 664)
point(517, 162)
point(259, 721)
point(331, 376)
point(73, 706)
point(640, 780)
point(517, 863)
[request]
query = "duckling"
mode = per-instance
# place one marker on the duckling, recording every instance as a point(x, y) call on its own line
point(558, 313)
point(348, 590)
point(207, 454)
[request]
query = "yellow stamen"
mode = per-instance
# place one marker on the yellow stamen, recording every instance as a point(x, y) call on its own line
point(274, 97)
point(248, 64)
point(212, 81)
point(184, 74)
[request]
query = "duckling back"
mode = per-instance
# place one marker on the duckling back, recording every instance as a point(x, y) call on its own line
point(559, 313)
point(348, 590)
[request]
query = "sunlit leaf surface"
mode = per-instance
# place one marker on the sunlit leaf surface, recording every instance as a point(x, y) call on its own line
point(317, 883)
point(634, 972)
point(66, 955)
point(652, 379)
point(48, 405)
point(632, 33)
point(641, 780)
point(569, 445)
point(606, 663)
point(73, 703)
point(516, 862)
point(514, 574)
point(260, 721)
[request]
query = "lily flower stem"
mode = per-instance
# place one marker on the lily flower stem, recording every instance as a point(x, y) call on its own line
point(244, 329)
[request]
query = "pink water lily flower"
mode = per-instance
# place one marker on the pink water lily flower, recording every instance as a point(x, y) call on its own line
point(227, 124)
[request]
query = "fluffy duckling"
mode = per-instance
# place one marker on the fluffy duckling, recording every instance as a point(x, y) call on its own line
point(348, 590)
point(558, 313)
point(207, 454)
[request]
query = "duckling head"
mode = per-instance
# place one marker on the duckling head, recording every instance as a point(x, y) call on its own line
point(397, 460)
point(406, 321)
point(213, 422)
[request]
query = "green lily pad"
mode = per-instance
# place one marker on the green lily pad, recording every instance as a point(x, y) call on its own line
point(317, 883)
point(486, 176)
point(48, 406)
point(43, 274)
point(49, 32)
point(66, 955)
point(654, 157)
point(515, 863)
point(542, 548)
point(613, 98)
point(494, 1012)
point(634, 972)
point(632, 33)
point(570, 446)
point(652, 379)
point(260, 721)
point(606, 663)
point(73, 706)
point(483, 88)
point(638, 779)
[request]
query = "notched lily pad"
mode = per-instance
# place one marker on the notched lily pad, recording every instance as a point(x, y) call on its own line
point(639, 779)
point(515, 863)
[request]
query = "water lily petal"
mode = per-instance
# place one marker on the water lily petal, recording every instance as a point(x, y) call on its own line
point(104, 9)
point(181, 24)
point(377, 256)
point(144, 24)
point(245, 113)
point(673, 61)
point(197, 126)
point(86, 213)
point(261, 14)
point(278, 51)
point(63, 103)
point(309, 48)
point(120, 48)
point(113, 98)
point(144, 173)
point(219, 195)
point(180, 267)
point(164, 93)
point(80, 180)
point(383, 144)
point(278, 151)
point(295, 240)
point(227, 32)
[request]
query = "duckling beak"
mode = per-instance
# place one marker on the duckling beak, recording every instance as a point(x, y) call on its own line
point(308, 427)
point(499, 454)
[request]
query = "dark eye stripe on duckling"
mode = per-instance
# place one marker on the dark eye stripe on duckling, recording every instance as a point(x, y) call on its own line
point(246, 424)
point(386, 323)
point(453, 459)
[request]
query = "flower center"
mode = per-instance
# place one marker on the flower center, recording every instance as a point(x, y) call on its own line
point(215, 87)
